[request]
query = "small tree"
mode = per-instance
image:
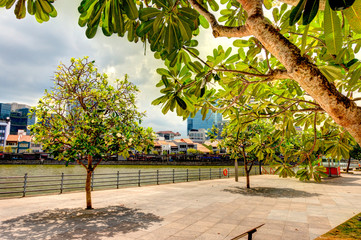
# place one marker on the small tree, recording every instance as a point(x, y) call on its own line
point(8, 149)
point(354, 153)
point(192, 151)
point(86, 119)
point(250, 142)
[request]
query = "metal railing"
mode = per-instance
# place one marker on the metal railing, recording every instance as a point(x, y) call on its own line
point(17, 186)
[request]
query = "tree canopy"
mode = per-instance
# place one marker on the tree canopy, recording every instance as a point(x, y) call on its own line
point(85, 118)
point(292, 61)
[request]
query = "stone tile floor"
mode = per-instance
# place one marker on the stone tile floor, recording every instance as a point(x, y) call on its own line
point(209, 210)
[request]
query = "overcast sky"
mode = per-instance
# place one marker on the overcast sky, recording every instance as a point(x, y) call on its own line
point(30, 52)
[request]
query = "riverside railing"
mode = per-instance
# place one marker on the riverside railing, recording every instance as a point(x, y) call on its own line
point(17, 186)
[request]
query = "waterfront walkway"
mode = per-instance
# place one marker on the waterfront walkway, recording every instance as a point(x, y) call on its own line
point(209, 210)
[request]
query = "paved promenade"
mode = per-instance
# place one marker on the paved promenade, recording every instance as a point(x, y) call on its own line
point(209, 210)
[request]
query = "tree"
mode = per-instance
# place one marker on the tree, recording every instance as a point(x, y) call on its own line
point(249, 142)
point(354, 153)
point(8, 149)
point(86, 119)
point(295, 73)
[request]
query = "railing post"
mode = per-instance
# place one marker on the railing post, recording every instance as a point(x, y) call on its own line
point(118, 180)
point(173, 175)
point(139, 178)
point(199, 174)
point(220, 176)
point(228, 173)
point(61, 183)
point(210, 173)
point(157, 176)
point(25, 182)
point(187, 174)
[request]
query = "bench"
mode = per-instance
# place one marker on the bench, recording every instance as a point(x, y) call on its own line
point(249, 233)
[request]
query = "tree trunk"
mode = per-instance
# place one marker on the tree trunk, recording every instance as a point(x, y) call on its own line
point(348, 164)
point(247, 175)
point(342, 110)
point(88, 183)
point(88, 189)
point(236, 170)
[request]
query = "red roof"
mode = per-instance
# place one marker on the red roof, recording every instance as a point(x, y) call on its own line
point(12, 138)
point(202, 148)
point(25, 138)
point(187, 140)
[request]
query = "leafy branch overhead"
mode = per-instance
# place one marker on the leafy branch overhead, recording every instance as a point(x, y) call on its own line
point(295, 65)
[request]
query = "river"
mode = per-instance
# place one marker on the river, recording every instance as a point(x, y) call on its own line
point(35, 170)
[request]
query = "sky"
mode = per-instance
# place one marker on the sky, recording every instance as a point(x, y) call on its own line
point(30, 53)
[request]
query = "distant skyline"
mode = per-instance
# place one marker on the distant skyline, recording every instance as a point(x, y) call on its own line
point(30, 53)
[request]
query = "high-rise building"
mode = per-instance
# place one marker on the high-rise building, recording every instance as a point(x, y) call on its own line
point(20, 120)
point(198, 123)
point(5, 110)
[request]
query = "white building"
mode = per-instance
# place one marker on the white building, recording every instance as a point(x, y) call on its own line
point(4, 131)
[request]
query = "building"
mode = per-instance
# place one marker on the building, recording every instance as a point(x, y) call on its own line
point(17, 106)
point(5, 110)
point(197, 135)
point(197, 123)
point(21, 120)
point(167, 135)
point(21, 143)
point(4, 131)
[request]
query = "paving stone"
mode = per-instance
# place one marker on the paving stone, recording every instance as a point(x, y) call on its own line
point(211, 210)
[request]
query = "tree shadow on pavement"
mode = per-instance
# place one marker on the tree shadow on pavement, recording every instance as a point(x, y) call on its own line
point(349, 180)
point(271, 192)
point(77, 223)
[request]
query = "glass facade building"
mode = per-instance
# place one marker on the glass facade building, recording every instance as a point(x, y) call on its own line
point(5, 110)
point(210, 120)
point(20, 120)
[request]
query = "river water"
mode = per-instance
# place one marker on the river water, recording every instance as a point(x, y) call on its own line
point(36, 170)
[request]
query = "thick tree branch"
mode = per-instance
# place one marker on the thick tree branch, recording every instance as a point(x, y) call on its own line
point(344, 111)
point(273, 75)
point(219, 30)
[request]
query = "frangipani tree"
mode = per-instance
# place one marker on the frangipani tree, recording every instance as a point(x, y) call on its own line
point(298, 61)
point(251, 142)
point(87, 119)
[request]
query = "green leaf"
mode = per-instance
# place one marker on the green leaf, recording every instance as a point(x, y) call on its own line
point(130, 9)
point(297, 12)
point(234, 58)
point(353, 16)
point(304, 39)
point(144, 28)
point(332, 73)
point(338, 5)
point(20, 9)
point(242, 43)
point(146, 13)
point(204, 23)
point(267, 4)
point(355, 77)
point(333, 31)
point(181, 103)
point(310, 11)
point(214, 5)
point(185, 30)
point(189, 13)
